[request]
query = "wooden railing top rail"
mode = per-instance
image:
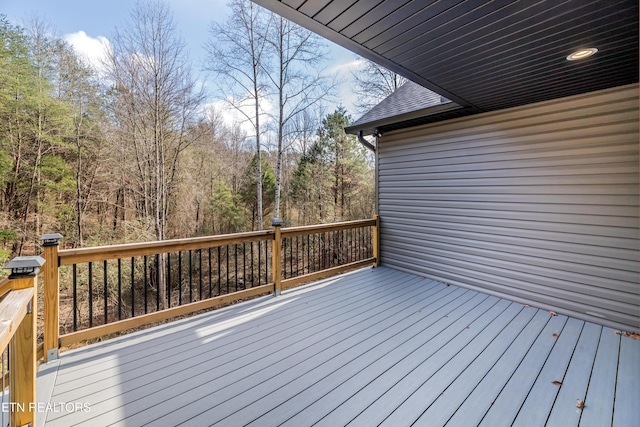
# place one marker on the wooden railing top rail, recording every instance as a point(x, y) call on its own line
point(101, 253)
point(13, 308)
point(336, 226)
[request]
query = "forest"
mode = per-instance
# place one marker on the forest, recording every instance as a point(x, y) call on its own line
point(133, 150)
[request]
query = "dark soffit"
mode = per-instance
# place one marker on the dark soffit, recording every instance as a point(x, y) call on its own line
point(484, 55)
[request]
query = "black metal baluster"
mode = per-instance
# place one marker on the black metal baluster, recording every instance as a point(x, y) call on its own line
point(210, 278)
point(312, 246)
point(169, 280)
point(319, 252)
point(298, 256)
point(158, 266)
point(332, 248)
point(179, 277)
point(145, 269)
point(190, 276)
point(335, 253)
point(266, 262)
point(352, 247)
point(133, 299)
point(259, 261)
point(75, 297)
point(105, 290)
point(235, 263)
point(284, 258)
point(119, 289)
point(323, 240)
point(244, 265)
point(291, 256)
point(253, 271)
point(308, 255)
point(219, 291)
point(227, 263)
point(90, 294)
point(200, 270)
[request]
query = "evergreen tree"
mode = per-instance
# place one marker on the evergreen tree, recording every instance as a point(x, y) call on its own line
point(250, 196)
point(333, 176)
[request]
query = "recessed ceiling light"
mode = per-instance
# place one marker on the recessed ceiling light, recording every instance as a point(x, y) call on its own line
point(582, 53)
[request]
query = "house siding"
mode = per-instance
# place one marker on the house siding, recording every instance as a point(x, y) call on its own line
point(536, 203)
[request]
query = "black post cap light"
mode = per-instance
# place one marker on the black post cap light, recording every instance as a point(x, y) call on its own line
point(24, 266)
point(51, 239)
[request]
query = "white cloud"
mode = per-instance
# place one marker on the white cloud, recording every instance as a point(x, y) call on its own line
point(342, 67)
point(232, 116)
point(92, 50)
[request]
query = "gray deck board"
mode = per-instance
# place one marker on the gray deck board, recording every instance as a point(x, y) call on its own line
point(505, 407)
point(487, 389)
point(626, 411)
point(598, 410)
point(575, 382)
point(262, 391)
point(459, 388)
point(370, 347)
point(214, 363)
point(544, 392)
point(365, 358)
point(247, 339)
point(426, 364)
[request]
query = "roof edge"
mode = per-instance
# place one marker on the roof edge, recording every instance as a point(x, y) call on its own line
point(370, 127)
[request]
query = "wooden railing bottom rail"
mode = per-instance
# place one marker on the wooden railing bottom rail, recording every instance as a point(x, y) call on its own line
point(289, 283)
point(146, 319)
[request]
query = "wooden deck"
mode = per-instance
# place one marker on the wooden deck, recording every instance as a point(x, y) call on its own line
point(374, 347)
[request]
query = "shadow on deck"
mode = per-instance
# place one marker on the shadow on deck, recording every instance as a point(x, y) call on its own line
point(376, 346)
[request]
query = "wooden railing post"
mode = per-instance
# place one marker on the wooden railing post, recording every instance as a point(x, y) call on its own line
point(375, 241)
point(22, 370)
point(50, 243)
point(276, 255)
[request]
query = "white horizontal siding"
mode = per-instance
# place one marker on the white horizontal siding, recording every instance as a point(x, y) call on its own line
point(539, 203)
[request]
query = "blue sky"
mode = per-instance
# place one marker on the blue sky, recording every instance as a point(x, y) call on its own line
point(85, 23)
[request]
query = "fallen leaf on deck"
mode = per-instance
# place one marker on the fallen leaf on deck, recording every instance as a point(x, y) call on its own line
point(558, 383)
point(553, 313)
point(632, 335)
point(555, 336)
point(580, 404)
point(526, 305)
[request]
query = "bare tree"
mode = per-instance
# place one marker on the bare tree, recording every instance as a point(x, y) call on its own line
point(298, 82)
point(237, 53)
point(154, 102)
point(373, 84)
point(76, 86)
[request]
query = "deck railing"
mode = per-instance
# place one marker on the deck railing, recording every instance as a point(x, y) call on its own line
point(18, 313)
point(109, 289)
